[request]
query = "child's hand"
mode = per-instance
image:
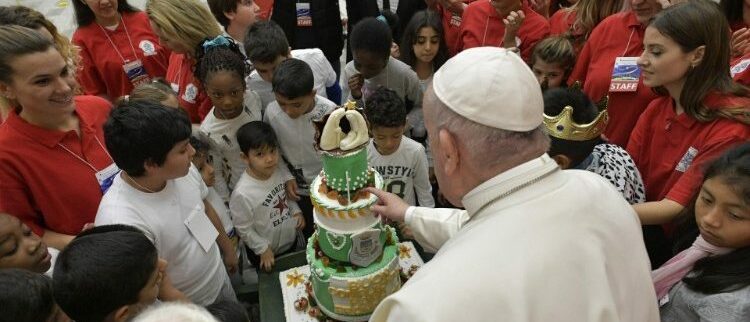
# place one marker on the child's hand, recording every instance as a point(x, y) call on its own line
point(355, 85)
point(291, 190)
point(300, 221)
point(267, 260)
point(231, 262)
point(512, 23)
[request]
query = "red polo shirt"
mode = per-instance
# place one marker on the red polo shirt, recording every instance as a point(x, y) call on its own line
point(617, 35)
point(189, 91)
point(671, 151)
point(46, 186)
point(740, 70)
point(451, 28)
point(101, 71)
point(482, 26)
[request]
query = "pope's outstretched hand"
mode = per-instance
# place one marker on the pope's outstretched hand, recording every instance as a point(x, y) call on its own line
point(389, 206)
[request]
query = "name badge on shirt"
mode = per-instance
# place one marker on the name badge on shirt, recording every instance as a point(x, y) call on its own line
point(136, 73)
point(201, 228)
point(106, 176)
point(625, 75)
point(687, 159)
point(304, 15)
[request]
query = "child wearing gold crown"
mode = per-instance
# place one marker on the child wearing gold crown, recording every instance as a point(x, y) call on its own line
point(575, 125)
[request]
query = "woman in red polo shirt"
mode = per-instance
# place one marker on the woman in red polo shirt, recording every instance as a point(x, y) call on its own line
point(612, 49)
point(482, 25)
point(52, 153)
point(182, 25)
point(118, 48)
point(700, 111)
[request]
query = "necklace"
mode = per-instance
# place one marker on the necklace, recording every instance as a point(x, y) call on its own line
point(136, 183)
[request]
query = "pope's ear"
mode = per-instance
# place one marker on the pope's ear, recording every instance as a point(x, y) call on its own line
point(448, 151)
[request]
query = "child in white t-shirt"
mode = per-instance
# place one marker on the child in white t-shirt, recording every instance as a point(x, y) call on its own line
point(221, 69)
point(265, 218)
point(160, 193)
point(400, 160)
point(292, 117)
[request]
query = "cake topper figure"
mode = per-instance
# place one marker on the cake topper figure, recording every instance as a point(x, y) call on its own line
point(334, 136)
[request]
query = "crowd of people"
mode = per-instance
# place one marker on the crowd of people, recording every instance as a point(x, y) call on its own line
point(565, 160)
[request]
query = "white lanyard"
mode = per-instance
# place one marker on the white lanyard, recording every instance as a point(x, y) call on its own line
point(632, 30)
point(130, 41)
point(84, 161)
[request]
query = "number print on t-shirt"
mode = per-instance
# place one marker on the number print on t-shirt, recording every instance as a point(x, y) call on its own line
point(396, 187)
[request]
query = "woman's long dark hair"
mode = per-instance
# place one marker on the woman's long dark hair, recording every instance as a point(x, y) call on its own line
point(84, 15)
point(732, 10)
point(720, 273)
point(422, 19)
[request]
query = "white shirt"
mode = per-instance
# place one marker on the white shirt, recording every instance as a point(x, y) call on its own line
point(396, 75)
point(405, 171)
point(566, 247)
point(263, 214)
point(297, 140)
point(321, 68)
point(161, 216)
point(225, 151)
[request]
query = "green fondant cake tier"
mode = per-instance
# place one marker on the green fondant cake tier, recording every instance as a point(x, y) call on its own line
point(347, 171)
point(337, 245)
point(349, 293)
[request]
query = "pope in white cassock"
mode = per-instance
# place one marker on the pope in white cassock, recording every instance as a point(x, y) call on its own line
point(535, 243)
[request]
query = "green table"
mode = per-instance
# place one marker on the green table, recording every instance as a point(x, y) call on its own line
point(269, 287)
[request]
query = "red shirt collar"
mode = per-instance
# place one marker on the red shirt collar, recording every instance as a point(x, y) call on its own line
point(631, 20)
point(47, 137)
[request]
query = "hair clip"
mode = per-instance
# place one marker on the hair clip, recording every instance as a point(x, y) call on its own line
point(219, 41)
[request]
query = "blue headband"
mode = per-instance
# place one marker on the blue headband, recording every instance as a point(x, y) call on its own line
point(382, 19)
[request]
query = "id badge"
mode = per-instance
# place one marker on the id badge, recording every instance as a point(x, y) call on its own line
point(625, 75)
point(201, 228)
point(136, 73)
point(106, 176)
point(304, 16)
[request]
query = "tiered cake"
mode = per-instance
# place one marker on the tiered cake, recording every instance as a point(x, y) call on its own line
point(353, 257)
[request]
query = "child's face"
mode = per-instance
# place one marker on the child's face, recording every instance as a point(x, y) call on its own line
point(200, 160)
point(245, 15)
point(20, 247)
point(262, 162)
point(387, 139)
point(226, 92)
point(150, 292)
point(427, 45)
point(177, 163)
point(368, 63)
point(549, 75)
point(296, 107)
point(265, 70)
point(722, 215)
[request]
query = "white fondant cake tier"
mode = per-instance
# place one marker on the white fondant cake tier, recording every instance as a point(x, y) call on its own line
point(342, 219)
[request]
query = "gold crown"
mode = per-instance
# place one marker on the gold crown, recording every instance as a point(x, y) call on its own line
point(563, 127)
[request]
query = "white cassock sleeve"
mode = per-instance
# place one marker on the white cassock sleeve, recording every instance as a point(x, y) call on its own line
point(432, 227)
